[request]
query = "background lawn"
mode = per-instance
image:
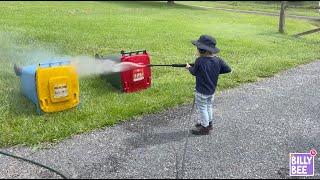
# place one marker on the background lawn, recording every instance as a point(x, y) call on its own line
point(305, 8)
point(30, 32)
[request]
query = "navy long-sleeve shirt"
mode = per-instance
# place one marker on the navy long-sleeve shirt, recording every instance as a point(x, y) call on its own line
point(207, 70)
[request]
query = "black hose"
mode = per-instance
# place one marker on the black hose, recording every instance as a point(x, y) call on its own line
point(33, 162)
point(186, 143)
point(170, 65)
point(184, 149)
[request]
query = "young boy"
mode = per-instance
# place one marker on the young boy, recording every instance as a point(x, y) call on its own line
point(207, 68)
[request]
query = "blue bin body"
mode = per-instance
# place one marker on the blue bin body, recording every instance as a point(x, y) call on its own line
point(28, 79)
point(28, 84)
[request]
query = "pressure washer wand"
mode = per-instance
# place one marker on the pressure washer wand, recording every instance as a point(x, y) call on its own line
point(170, 65)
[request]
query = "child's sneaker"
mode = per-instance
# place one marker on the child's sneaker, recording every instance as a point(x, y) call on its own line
point(200, 131)
point(199, 125)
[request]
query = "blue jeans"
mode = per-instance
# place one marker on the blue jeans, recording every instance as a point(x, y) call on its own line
point(204, 106)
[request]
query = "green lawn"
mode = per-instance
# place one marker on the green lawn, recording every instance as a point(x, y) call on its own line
point(33, 31)
point(272, 7)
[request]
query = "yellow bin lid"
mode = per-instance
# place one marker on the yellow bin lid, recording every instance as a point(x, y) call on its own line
point(57, 88)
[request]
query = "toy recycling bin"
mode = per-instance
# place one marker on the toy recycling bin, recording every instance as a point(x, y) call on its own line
point(131, 80)
point(51, 86)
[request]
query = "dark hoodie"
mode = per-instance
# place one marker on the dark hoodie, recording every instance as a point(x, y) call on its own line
point(207, 70)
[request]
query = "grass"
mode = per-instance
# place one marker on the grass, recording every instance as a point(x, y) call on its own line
point(271, 6)
point(33, 31)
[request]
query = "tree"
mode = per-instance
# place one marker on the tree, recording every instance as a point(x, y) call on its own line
point(282, 16)
point(170, 2)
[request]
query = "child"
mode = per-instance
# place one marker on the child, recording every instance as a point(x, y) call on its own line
point(207, 68)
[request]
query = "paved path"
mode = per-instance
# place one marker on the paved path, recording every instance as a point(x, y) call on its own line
point(256, 126)
point(258, 12)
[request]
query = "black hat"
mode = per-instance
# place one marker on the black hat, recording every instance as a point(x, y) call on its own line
point(206, 42)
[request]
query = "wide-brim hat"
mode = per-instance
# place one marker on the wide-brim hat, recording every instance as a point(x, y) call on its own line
point(207, 43)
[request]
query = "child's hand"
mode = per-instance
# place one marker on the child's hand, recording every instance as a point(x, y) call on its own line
point(187, 66)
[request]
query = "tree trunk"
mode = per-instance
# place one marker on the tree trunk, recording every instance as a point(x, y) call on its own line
point(170, 2)
point(282, 16)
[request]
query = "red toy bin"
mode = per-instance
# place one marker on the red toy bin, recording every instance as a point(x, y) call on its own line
point(131, 80)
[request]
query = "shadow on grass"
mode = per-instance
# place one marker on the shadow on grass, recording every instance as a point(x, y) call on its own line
point(290, 37)
point(153, 4)
point(315, 22)
point(20, 105)
point(98, 84)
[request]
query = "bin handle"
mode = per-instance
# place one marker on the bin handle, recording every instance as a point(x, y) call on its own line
point(52, 63)
point(136, 52)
